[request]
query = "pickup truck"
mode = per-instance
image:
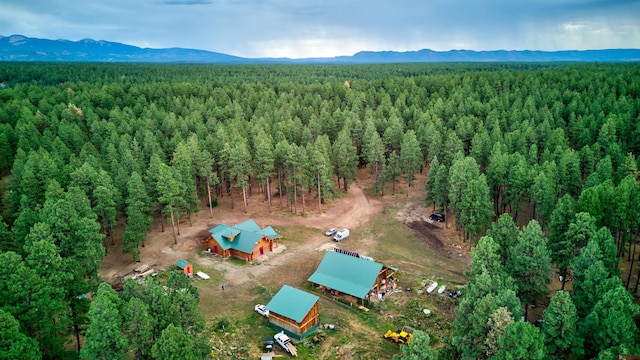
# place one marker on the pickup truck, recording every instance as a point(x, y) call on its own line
point(286, 343)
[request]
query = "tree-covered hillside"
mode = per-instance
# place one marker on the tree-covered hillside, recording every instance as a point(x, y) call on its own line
point(537, 164)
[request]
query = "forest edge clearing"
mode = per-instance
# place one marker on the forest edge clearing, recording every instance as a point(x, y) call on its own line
point(351, 210)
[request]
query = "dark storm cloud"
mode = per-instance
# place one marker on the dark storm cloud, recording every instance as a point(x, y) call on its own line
point(294, 28)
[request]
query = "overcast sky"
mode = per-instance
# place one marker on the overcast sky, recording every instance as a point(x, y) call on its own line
point(324, 28)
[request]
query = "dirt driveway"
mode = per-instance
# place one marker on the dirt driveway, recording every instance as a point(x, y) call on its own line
point(351, 210)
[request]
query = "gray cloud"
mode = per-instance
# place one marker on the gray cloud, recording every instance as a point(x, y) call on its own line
point(293, 28)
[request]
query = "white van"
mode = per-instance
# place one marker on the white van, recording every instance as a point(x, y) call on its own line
point(341, 235)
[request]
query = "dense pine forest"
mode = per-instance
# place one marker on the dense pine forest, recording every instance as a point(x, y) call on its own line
point(536, 164)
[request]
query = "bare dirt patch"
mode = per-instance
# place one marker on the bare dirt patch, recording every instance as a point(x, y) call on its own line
point(351, 210)
point(444, 242)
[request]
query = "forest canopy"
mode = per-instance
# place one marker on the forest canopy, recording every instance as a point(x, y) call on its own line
point(553, 146)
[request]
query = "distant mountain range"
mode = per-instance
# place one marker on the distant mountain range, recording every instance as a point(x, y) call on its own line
point(22, 48)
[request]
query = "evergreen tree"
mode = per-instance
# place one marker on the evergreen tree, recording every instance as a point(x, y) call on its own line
point(183, 162)
point(560, 327)
point(485, 293)
point(174, 343)
point(13, 343)
point(521, 340)
point(139, 219)
point(169, 194)
point(345, 158)
point(419, 349)
point(410, 157)
point(486, 258)
point(589, 285)
point(497, 323)
point(393, 169)
point(461, 173)
point(531, 264)
point(264, 161)
point(372, 149)
point(138, 326)
point(105, 339)
point(562, 247)
point(543, 194)
point(505, 234)
point(429, 185)
point(475, 208)
point(611, 323)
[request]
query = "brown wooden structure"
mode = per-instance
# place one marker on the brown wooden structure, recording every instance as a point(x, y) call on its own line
point(245, 241)
point(294, 311)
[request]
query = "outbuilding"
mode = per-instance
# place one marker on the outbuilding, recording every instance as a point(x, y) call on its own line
point(185, 266)
point(350, 277)
point(294, 311)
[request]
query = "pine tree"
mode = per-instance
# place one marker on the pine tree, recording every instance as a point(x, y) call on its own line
point(610, 323)
point(505, 233)
point(561, 247)
point(521, 340)
point(138, 326)
point(105, 339)
point(13, 343)
point(410, 157)
point(530, 264)
point(560, 327)
point(345, 158)
point(173, 344)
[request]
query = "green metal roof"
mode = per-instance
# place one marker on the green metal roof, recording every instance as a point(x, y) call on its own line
point(347, 274)
point(292, 303)
point(182, 264)
point(249, 225)
point(270, 233)
point(245, 235)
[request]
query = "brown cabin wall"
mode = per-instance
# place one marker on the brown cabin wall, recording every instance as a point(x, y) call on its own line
point(309, 321)
point(241, 255)
point(212, 244)
point(267, 246)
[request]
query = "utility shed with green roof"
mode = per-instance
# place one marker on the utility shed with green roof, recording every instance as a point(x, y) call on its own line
point(294, 311)
point(341, 274)
point(244, 241)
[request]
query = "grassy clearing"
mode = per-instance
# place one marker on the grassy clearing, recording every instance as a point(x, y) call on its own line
point(238, 331)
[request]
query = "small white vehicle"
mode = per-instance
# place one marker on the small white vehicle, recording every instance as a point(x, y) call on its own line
point(341, 235)
point(262, 310)
point(331, 232)
point(286, 343)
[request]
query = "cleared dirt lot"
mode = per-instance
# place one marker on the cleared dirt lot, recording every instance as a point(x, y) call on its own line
point(352, 210)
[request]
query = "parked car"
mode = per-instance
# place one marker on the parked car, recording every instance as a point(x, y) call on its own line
point(331, 231)
point(436, 216)
point(262, 310)
point(341, 235)
point(268, 344)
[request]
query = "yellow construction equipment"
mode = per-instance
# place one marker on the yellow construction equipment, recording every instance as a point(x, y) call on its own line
point(402, 336)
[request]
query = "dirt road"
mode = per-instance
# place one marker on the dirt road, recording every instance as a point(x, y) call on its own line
point(351, 210)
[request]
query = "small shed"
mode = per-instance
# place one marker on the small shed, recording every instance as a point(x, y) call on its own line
point(185, 266)
point(294, 311)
